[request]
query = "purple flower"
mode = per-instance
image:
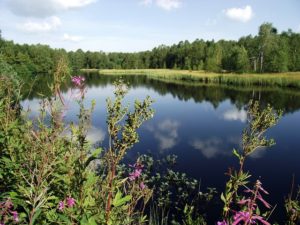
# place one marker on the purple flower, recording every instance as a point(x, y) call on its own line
point(137, 166)
point(266, 204)
point(137, 171)
point(222, 222)
point(61, 206)
point(244, 201)
point(135, 174)
point(241, 216)
point(78, 80)
point(142, 186)
point(8, 204)
point(15, 215)
point(247, 218)
point(2, 223)
point(70, 202)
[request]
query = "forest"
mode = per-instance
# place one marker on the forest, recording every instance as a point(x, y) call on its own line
point(268, 51)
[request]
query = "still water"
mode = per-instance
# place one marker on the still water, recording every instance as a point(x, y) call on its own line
point(201, 125)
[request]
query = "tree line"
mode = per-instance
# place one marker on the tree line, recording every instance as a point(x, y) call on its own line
point(268, 51)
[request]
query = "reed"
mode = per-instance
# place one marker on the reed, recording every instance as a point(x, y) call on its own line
point(291, 79)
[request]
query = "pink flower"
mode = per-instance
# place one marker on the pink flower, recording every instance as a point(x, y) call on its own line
point(138, 166)
point(137, 171)
point(8, 204)
point(61, 206)
point(70, 202)
point(78, 80)
point(247, 219)
point(222, 223)
point(266, 204)
point(15, 215)
point(142, 186)
point(135, 174)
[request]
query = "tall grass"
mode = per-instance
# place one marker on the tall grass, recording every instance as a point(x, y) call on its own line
point(291, 79)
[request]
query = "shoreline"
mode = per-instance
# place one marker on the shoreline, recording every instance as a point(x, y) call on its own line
point(289, 79)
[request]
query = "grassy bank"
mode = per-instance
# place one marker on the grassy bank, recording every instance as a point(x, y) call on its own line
point(275, 79)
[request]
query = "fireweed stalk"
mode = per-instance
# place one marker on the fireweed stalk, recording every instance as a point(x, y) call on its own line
point(259, 121)
point(122, 136)
point(137, 188)
point(249, 205)
point(7, 214)
point(68, 202)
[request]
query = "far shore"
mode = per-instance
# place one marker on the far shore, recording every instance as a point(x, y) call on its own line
point(289, 79)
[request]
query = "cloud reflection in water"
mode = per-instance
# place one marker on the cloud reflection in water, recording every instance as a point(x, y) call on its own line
point(166, 133)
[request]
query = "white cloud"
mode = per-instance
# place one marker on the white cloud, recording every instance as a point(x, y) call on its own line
point(95, 135)
point(240, 14)
point(72, 38)
point(210, 147)
point(146, 2)
point(258, 153)
point(44, 8)
point(165, 142)
point(235, 114)
point(168, 4)
point(69, 4)
point(46, 25)
point(170, 127)
point(214, 146)
point(32, 106)
point(166, 132)
point(164, 4)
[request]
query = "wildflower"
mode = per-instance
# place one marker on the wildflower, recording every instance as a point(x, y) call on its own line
point(15, 216)
point(137, 171)
point(241, 216)
point(8, 204)
point(135, 174)
point(78, 80)
point(142, 186)
point(61, 206)
point(222, 222)
point(70, 202)
point(247, 218)
point(138, 166)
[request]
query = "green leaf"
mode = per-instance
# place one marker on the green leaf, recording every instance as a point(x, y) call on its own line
point(223, 198)
point(97, 152)
point(257, 211)
point(64, 218)
point(36, 215)
point(92, 221)
point(119, 201)
point(235, 152)
point(13, 194)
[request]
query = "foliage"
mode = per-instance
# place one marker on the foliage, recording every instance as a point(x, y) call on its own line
point(48, 169)
point(177, 198)
point(292, 206)
point(237, 207)
point(268, 51)
point(51, 174)
point(122, 136)
point(283, 80)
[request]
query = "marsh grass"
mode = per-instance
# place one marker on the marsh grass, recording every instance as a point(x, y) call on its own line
point(291, 79)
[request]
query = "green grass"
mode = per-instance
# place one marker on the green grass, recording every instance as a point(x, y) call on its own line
point(291, 79)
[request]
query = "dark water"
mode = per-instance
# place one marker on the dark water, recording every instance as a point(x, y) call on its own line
point(201, 125)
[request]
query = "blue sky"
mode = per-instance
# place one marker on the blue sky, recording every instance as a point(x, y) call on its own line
point(136, 25)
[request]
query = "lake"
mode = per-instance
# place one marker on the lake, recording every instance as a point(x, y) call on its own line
point(201, 124)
